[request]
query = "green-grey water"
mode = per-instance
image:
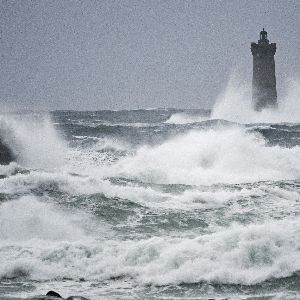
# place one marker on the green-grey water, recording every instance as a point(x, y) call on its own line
point(149, 204)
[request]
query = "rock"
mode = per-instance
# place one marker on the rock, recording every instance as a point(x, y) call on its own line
point(51, 295)
point(6, 154)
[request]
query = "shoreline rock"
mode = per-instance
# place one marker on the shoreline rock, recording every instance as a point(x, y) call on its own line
point(6, 154)
point(51, 295)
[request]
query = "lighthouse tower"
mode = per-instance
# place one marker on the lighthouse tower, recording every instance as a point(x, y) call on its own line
point(264, 92)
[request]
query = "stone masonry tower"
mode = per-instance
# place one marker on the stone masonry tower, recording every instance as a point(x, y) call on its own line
point(264, 92)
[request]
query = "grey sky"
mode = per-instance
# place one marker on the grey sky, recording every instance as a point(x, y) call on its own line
point(92, 55)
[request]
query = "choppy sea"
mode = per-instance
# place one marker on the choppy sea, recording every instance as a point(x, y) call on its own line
point(149, 204)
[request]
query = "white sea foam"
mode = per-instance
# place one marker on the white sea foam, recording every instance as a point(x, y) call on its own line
point(213, 156)
point(28, 218)
point(87, 185)
point(238, 254)
point(185, 118)
point(278, 199)
point(235, 105)
point(40, 240)
point(33, 139)
point(206, 157)
point(7, 170)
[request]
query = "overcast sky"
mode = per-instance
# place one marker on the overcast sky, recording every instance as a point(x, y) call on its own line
point(89, 55)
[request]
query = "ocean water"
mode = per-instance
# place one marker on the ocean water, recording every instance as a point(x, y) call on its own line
point(151, 204)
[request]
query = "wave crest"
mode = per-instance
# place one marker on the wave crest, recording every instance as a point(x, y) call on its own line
point(236, 255)
point(33, 139)
point(230, 155)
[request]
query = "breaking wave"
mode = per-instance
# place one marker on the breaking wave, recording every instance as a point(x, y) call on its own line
point(28, 218)
point(236, 255)
point(223, 154)
point(235, 105)
point(185, 118)
point(215, 202)
point(228, 155)
point(33, 139)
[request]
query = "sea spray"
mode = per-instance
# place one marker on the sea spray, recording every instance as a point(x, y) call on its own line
point(28, 218)
point(34, 140)
point(185, 118)
point(236, 255)
point(206, 208)
point(228, 155)
point(235, 105)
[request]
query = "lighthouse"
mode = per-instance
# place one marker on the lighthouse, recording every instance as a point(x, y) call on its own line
point(264, 92)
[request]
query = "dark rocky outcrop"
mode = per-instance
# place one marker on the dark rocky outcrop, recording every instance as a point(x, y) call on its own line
point(51, 295)
point(6, 154)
